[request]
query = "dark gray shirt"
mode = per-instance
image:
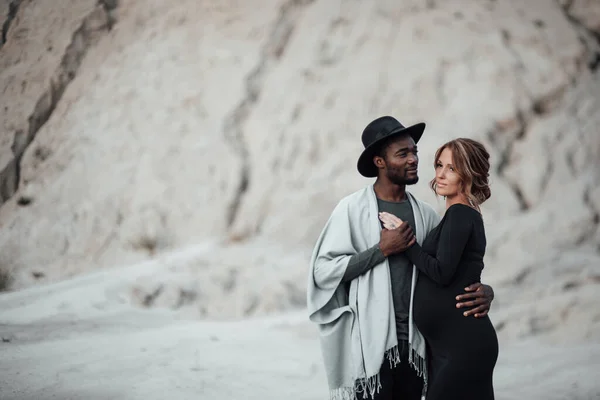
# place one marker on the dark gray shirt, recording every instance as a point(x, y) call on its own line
point(400, 266)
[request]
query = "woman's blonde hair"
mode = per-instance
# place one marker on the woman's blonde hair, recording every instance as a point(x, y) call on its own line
point(472, 164)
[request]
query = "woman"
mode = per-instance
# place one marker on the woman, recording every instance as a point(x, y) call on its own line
point(462, 352)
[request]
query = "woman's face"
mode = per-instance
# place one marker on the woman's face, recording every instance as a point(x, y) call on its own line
point(446, 179)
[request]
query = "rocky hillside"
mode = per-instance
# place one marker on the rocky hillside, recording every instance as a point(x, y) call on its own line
point(132, 129)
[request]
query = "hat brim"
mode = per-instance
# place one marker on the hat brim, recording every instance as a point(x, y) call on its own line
point(366, 166)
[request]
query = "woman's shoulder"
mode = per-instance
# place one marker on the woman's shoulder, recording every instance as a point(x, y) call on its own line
point(462, 212)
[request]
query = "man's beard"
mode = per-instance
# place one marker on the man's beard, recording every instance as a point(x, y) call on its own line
point(398, 177)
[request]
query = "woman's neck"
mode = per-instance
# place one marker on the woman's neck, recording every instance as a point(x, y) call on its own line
point(458, 199)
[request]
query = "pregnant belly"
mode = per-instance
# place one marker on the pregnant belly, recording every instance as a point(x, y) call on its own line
point(444, 326)
point(434, 308)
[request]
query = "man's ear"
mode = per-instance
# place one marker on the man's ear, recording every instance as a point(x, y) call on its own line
point(379, 162)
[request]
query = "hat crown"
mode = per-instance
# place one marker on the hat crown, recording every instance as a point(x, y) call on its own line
point(380, 128)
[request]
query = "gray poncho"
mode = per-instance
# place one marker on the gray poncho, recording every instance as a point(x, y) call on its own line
point(357, 327)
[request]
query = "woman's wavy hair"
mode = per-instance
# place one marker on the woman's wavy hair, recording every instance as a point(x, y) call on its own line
point(472, 163)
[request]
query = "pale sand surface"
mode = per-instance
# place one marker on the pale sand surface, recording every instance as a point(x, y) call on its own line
point(77, 339)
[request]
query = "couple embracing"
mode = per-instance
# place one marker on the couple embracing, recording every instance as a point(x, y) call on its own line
point(394, 289)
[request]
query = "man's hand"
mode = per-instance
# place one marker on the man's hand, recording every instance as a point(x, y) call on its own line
point(479, 298)
point(396, 240)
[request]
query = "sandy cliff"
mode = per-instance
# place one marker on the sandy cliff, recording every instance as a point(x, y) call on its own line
point(132, 129)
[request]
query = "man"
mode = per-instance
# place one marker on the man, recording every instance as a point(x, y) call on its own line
point(360, 287)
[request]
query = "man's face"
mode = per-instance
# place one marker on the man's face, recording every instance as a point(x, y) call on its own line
point(400, 161)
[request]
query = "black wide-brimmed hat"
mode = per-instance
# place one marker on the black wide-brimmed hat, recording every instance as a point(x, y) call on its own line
point(375, 133)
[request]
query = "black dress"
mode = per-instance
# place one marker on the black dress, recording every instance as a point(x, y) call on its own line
point(462, 351)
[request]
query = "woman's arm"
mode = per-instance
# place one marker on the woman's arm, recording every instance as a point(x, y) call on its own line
point(454, 235)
